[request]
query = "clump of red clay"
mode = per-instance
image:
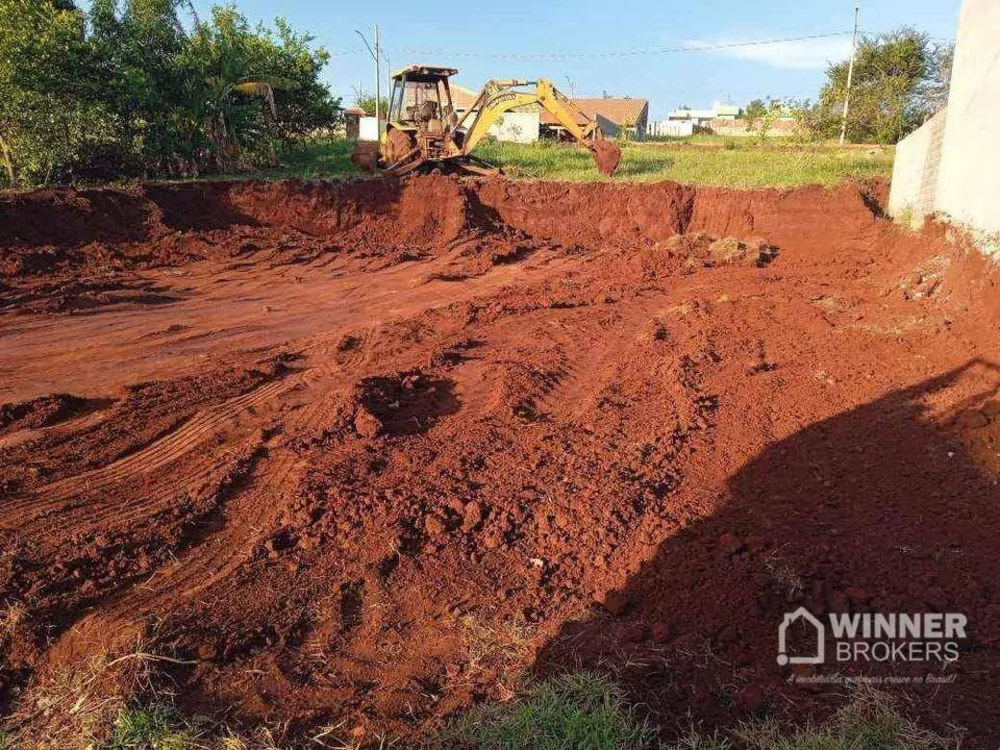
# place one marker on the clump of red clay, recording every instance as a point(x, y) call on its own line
point(362, 453)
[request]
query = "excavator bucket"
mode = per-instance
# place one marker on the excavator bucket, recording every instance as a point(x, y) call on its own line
point(607, 155)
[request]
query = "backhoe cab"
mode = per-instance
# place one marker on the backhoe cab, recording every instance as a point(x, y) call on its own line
point(424, 131)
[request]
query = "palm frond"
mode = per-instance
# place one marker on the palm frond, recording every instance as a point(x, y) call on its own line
point(263, 86)
point(275, 82)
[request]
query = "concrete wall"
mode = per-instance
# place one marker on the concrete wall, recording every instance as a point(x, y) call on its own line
point(368, 129)
point(745, 129)
point(671, 128)
point(969, 185)
point(608, 128)
point(519, 127)
point(915, 172)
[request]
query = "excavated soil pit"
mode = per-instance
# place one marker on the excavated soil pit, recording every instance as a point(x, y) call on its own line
point(365, 453)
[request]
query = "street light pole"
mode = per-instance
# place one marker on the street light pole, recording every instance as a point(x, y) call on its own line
point(850, 74)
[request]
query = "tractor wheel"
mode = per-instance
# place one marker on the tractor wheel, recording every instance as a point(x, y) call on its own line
point(398, 143)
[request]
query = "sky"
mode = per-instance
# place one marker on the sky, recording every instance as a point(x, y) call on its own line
point(579, 44)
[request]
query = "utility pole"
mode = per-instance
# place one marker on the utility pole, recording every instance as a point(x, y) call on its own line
point(378, 74)
point(388, 82)
point(850, 73)
point(378, 80)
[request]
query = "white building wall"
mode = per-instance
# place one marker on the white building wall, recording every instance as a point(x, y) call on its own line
point(671, 128)
point(951, 166)
point(517, 127)
point(969, 187)
point(915, 173)
point(969, 183)
point(368, 129)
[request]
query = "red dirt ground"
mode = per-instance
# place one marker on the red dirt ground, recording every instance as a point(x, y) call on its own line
point(363, 452)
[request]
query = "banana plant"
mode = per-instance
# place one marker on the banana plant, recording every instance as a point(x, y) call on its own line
point(224, 107)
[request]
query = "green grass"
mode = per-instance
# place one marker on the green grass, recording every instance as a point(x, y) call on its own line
point(586, 711)
point(576, 712)
point(869, 722)
point(314, 159)
point(700, 160)
point(154, 728)
point(582, 711)
point(735, 164)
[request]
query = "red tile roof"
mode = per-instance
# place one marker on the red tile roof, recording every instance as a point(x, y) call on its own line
point(461, 97)
point(619, 111)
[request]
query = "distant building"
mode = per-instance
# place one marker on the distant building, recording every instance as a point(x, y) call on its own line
point(462, 98)
point(727, 120)
point(526, 124)
point(614, 116)
point(727, 111)
point(670, 129)
point(520, 125)
point(702, 117)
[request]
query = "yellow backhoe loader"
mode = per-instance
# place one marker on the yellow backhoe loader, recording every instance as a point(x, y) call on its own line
point(424, 131)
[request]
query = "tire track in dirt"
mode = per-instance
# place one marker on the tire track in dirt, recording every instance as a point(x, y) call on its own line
point(594, 358)
point(245, 517)
point(162, 452)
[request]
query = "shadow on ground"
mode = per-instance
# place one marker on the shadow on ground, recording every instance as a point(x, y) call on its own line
point(883, 508)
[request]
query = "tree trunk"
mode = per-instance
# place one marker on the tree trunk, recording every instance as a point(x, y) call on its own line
point(8, 163)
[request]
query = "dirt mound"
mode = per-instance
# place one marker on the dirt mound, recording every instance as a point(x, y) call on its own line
point(37, 412)
point(71, 217)
point(391, 444)
point(91, 238)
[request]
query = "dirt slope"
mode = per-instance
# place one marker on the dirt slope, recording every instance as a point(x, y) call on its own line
point(362, 452)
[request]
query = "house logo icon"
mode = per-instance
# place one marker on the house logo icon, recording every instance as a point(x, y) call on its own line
point(801, 614)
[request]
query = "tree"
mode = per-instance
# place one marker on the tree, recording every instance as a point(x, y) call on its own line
point(51, 113)
point(366, 101)
point(755, 110)
point(128, 89)
point(893, 88)
point(252, 88)
point(938, 85)
point(140, 46)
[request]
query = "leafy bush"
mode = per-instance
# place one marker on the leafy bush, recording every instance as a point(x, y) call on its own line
point(900, 79)
point(127, 90)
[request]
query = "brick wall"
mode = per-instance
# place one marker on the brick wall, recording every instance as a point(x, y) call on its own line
point(742, 129)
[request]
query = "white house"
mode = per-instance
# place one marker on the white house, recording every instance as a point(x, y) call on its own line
point(701, 117)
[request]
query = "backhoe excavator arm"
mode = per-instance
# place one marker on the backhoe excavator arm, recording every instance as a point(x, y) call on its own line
point(499, 97)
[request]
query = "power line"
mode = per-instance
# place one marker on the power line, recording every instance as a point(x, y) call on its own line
point(688, 48)
point(876, 34)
